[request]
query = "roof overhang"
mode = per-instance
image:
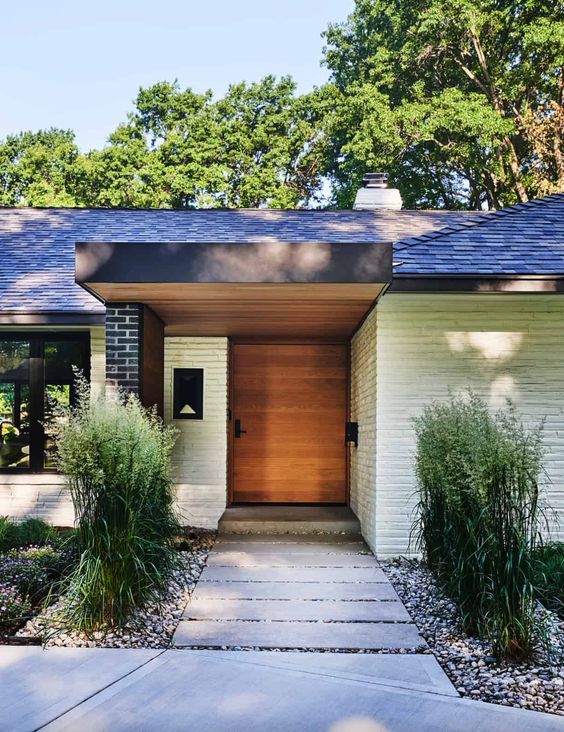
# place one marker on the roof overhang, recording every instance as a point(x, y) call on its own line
point(479, 283)
point(275, 289)
point(50, 318)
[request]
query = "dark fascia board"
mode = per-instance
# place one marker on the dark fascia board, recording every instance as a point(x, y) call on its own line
point(479, 284)
point(22, 317)
point(248, 262)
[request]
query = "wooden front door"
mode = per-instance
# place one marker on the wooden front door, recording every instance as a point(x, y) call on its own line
point(289, 408)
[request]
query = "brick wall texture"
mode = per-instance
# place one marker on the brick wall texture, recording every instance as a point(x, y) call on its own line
point(501, 346)
point(199, 459)
point(124, 326)
point(362, 470)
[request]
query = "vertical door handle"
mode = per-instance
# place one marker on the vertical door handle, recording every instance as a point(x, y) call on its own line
point(238, 430)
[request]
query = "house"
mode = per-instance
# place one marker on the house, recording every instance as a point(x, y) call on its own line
point(290, 348)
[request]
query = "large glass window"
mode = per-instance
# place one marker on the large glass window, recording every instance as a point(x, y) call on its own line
point(36, 371)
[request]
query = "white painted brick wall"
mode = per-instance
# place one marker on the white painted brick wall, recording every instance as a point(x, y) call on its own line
point(44, 495)
point(363, 411)
point(499, 345)
point(200, 454)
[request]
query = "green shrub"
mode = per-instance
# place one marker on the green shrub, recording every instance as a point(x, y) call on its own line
point(7, 533)
point(549, 576)
point(116, 459)
point(31, 532)
point(478, 518)
point(35, 532)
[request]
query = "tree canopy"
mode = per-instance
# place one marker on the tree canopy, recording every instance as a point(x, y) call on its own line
point(460, 101)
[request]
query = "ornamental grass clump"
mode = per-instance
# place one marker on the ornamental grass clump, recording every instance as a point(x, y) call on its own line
point(115, 456)
point(549, 576)
point(479, 516)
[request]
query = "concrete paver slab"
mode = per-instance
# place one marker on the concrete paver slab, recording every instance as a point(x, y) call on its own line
point(185, 690)
point(239, 633)
point(346, 591)
point(292, 574)
point(38, 685)
point(279, 559)
point(206, 609)
point(417, 671)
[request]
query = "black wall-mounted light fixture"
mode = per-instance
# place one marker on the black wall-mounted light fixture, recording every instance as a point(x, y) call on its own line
point(351, 433)
point(188, 394)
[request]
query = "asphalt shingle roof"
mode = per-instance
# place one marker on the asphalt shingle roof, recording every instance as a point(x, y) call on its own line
point(524, 239)
point(37, 244)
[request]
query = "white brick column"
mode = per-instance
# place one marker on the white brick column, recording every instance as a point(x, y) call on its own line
point(200, 454)
point(363, 411)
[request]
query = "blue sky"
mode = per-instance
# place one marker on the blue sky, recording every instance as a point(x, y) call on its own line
point(78, 64)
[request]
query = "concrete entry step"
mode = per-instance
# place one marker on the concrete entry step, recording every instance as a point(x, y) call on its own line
point(299, 540)
point(345, 591)
point(293, 574)
point(346, 636)
point(289, 520)
point(264, 548)
point(293, 559)
point(325, 610)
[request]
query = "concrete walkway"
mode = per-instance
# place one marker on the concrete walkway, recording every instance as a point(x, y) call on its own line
point(314, 592)
point(278, 592)
point(103, 690)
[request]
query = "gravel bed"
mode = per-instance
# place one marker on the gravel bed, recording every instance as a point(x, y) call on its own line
point(468, 662)
point(152, 627)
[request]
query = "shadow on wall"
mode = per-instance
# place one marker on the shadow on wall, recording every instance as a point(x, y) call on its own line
point(489, 355)
point(50, 501)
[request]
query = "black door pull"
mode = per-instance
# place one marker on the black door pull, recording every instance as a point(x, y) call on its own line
point(238, 430)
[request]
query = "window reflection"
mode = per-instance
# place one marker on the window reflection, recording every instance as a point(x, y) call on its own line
point(14, 403)
point(36, 374)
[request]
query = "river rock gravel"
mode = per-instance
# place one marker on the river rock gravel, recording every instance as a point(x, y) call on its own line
point(469, 662)
point(152, 627)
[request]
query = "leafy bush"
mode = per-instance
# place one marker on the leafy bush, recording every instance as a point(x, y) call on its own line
point(549, 576)
point(14, 609)
point(478, 518)
point(35, 532)
point(29, 532)
point(34, 570)
point(116, 459)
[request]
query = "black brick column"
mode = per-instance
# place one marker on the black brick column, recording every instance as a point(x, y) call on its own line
point(124, 346)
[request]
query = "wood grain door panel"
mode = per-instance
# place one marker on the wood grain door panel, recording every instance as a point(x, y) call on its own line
point(291, 401)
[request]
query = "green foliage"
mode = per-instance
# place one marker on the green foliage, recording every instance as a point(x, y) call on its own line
point(478, 518)
point(115, 457)
point(549, 576)
point(180, 149)
point(38, 168)
point(460, 100)
point(28, 576)
point(26, 533)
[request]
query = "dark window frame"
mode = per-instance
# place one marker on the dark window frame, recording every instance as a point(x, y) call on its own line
point(37, 341)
